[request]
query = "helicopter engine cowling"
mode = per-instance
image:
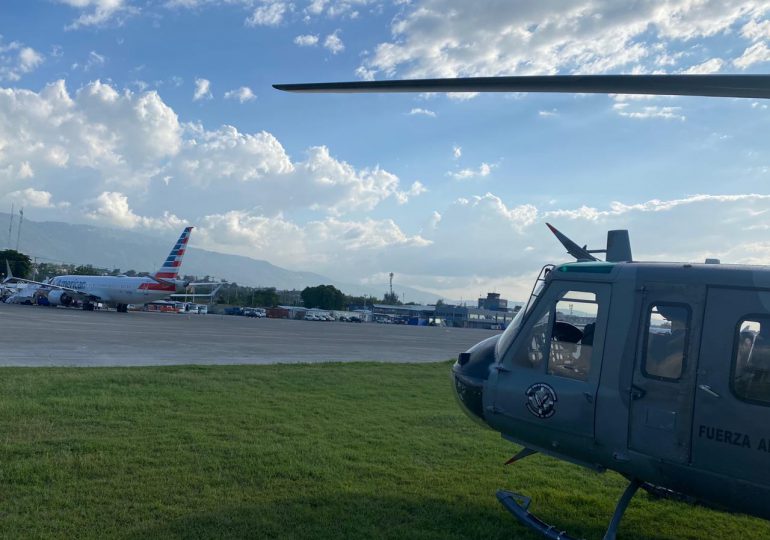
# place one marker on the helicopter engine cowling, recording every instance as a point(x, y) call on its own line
point(469, 373)
point(59, 298)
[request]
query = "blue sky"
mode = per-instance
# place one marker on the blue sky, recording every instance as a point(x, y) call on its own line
point(149, 115)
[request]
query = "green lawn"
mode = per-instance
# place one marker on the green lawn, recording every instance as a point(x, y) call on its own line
point(311, 451)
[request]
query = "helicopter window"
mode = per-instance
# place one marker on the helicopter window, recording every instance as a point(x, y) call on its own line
point(572, 335)
point(667, 333)
point(537, 345)
point(751, 369)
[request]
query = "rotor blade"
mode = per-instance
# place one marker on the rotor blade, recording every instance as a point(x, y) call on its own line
point(743, 86)
point(572, 248)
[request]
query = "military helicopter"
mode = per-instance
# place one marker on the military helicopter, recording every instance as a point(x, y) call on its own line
point(659, 371)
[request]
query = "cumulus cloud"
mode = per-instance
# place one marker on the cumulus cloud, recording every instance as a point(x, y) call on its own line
point(712, 65)
point(17, 60)
point(121, 137)
point(33, 198)
point(755, 54)
point(98, 12)
point(468, 174)
point(112, 208)
point(270, 13)
point(202, 89)
point(333, 42)
point(465, 256)
point(327, 241)
point(127, 140)
point(336, 8)
point(440, 38)
point(242, 94)
point(307, 40)
point(422, 112)
point(457, 152)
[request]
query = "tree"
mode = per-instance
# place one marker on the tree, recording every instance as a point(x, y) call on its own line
point(84, 270)
point(392, 299)
point(21, 265)
point(323, 296)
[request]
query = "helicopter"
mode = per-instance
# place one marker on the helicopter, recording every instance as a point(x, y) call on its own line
point(658, 371)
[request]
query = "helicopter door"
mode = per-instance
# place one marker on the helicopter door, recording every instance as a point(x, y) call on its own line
point(664, 371)
point(732, 400)
point(549, 376)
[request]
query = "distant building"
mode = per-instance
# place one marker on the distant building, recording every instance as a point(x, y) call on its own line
point(493, 302)
point(291, 297)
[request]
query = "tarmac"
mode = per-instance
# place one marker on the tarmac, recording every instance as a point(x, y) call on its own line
point(46, 336)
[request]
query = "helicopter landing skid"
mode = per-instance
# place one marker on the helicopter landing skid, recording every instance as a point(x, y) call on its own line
point(518, 505)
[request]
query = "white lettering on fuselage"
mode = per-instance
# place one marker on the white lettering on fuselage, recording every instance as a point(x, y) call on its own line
point(71, 284)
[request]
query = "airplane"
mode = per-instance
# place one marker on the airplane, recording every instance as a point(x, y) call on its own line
point(658, 371)
point(118, 290)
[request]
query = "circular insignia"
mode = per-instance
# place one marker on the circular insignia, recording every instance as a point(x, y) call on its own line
point(541, 400)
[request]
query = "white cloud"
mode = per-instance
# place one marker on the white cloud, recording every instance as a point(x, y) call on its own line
point(333, 42)
point(755, 54)
point(457, 152)
point(112, 208)
point(548, 114)
point(711, 65)
point(442, 38)
point(270, 13)
point(756, 30)
point(102, 140)
point(101, 11)
point(29, 59)
point(17, 60)
point(457, 262)
point(652, 111)
point(33, 198)
point(423, 112)
point(330, 241)
point(467, 174)
point(434, 220)
point(94, 60)
point(336, 8)
point(242, 94)
point(202, 89)
point(308, 40)
point(120, 136)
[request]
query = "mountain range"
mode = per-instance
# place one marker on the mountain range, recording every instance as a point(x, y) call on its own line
point(49, 241)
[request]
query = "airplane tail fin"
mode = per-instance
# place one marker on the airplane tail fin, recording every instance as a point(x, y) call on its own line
point(8, 273)
point(170, 268)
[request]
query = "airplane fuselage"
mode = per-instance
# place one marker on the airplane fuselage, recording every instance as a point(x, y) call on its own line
point(116, 289)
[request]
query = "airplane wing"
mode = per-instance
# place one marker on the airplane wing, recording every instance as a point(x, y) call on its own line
point(14, 279)
point(10, 278)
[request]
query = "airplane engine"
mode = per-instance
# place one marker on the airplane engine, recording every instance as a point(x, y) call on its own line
point(59, 298)
point(469, 374)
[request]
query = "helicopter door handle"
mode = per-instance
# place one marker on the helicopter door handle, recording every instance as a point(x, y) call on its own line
point(706, 388)
point(637, 393)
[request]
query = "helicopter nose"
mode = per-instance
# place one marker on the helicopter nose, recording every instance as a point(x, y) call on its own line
point(469, 373)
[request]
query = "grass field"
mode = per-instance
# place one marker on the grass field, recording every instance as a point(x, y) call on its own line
point(311, 451)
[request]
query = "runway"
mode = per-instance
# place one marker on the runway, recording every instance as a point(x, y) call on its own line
point(44, 336)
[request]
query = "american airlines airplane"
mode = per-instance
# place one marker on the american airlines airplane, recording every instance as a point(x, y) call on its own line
point(118, 290)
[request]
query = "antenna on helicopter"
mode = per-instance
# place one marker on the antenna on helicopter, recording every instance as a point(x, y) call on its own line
point(618, 246)
point(580, 253)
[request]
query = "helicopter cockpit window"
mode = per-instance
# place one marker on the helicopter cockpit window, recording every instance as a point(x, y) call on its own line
point(572, 337)
point(532, 355)
point(667, 332)
point(751, 370)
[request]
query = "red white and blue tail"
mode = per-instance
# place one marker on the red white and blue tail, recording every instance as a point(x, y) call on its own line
point(170, 268)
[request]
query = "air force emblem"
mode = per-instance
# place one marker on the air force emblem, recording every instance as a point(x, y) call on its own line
point(541, 400)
